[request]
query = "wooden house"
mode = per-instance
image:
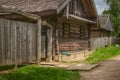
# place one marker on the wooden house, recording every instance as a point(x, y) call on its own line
point(20, 36)
point(104, 27)
point(72, 22)
point(100, 35)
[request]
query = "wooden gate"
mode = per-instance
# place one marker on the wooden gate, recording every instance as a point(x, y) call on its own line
point(17, 42)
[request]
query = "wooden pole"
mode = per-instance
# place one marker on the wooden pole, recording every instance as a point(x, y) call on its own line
point(89, 37)
point(38, 41)
point(49, 45)
point(67, 11)
point(57, 41)
point(57, 45)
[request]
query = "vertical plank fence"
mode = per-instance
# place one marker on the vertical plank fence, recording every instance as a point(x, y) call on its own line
point(17, 42)
point(103, 42)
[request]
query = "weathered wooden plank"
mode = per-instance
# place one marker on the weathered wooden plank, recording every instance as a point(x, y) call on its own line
point(7, 53)
point(24, 43)
point(15, 42)
point(8, 9)
point(27, 55)
point(30, 40)
point(39, 41)
point(49, 45)
point(18, 43)
point(2, 41)
point(73, 45)
point(5, 40)
point(34, 42)
point(12, 41)
point(9, 42)
point(33, 52)
point(62, 6)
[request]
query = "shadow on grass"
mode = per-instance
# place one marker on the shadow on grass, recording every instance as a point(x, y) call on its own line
point(7, 67)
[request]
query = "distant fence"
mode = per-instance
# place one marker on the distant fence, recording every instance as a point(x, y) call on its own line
point(17, 42)
point(103, 42)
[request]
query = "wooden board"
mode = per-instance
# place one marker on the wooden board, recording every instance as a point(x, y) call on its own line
point(17, 42)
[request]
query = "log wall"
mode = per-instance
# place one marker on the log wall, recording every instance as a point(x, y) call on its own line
point(73, 38)
point(17, 42)
point(73, 45)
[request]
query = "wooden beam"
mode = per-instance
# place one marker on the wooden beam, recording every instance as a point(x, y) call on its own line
point(62, 6)
point(94, 7)
point(63, 30)
point(39, 42)
point(49, 44)
point(57, 51)
point(82, 19)
point(69, 31)
point(7, 9)
point(44, 23)
point(67, 11)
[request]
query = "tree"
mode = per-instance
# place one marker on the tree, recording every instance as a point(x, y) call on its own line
point(114, 12)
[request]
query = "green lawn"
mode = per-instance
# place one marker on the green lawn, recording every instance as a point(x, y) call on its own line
point(40, 73)
point(103, 54)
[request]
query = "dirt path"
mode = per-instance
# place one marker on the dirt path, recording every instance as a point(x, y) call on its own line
point(109, 70)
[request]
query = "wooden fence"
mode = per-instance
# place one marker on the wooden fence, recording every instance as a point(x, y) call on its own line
point(17, 42)
point(103, 42)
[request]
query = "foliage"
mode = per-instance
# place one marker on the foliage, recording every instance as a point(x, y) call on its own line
point(103, 54)
point(114, 12)
point(40, 73)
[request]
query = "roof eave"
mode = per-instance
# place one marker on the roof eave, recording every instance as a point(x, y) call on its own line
point(9, 9)
point(82, 19)
point(94, 7)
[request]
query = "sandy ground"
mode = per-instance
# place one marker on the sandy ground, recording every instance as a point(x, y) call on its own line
point(109, 70)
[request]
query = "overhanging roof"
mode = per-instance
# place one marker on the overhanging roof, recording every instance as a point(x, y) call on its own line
point(105, 23)
point(41, 6)
point(82, 19)
point(7, 9)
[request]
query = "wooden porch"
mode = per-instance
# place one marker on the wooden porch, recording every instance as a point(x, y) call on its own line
point(21, 36)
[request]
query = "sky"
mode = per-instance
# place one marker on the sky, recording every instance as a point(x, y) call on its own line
point(101, 6)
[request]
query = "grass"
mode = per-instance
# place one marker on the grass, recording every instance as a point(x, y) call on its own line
point(40, 73)
point(103, 54)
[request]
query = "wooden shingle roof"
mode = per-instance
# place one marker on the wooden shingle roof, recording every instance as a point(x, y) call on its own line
point(38, 6)
point(33, 5)
point(105, 23)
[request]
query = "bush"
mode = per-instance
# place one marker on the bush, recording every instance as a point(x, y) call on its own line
point(103, 54)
